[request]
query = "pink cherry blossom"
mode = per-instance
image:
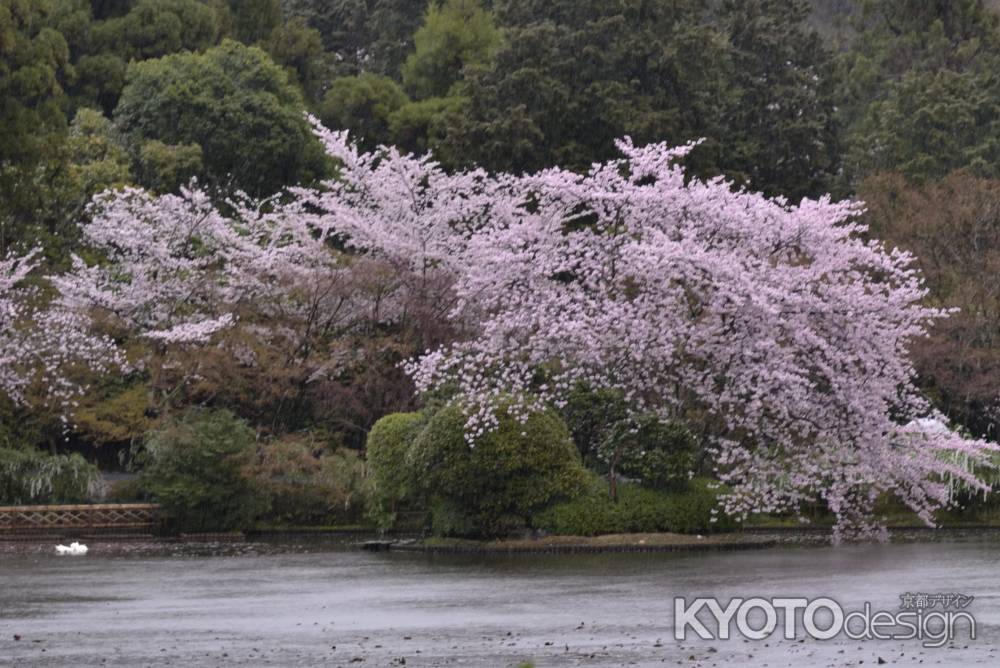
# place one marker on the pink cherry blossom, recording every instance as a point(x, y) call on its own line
point(42, 342)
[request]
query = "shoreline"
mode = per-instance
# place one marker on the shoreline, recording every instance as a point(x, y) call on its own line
point(285, 541)
point(609, 543)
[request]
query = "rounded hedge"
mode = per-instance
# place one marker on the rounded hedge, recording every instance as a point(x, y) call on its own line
point(494, 486)
point(386, 450)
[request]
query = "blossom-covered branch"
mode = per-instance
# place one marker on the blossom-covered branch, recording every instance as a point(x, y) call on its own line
point(41, 342)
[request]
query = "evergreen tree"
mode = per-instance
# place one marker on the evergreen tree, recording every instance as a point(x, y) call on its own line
point(366, 35)
point(299, 48)
point(454, 35)
point(363, 105)
point(32, 124)
point(780, 132)
point(920, 90)
point(572, 76)
point(236, 104)
point(253, 21)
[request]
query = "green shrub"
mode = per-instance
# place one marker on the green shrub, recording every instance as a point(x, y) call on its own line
point(344, 474)
point(589, 414)
point(638, 510)
point(31, 476)
point(607, 433)
point(447, 518)
point(511, 472)
point(590, 514)
point(198, 467)
point(660, 455)
point(386, 449)
point(690, 511)
point(642, 510)
point(305, 485)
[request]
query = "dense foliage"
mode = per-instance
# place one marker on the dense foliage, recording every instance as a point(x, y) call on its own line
point(920, 92)
point(693, 510)
point(659, 454)
point(495, 487)
point(306, 484)
point(31, 476)
point(387, 451)
point(723, 334)
point(591, 414)
point(197, 466)
point(232, 103)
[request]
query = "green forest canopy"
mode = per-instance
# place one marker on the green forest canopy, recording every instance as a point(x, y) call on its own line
point(894, 100)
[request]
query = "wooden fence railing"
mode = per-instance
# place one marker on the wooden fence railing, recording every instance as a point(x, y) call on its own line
point(102, 516)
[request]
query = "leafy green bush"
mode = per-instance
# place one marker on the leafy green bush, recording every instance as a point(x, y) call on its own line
point(691, 511)
point(638, 510)
point(589, 414)
point(590, 514)
point(305, 485)
point(659, 454)
point(198, 467)
point(496, 485)
point(31, 476)
point(644, 447)
point(344, 474)
point(642, 510)
point(447, 518)
point(386, 449)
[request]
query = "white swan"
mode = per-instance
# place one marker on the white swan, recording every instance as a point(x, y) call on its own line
point(74, 548)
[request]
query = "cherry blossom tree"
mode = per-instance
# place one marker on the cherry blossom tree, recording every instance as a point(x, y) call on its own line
point(187, 284)
point(782, 324)
point(265, 285)
point(42, 345)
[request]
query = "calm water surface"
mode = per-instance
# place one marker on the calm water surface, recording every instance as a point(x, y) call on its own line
point(343, 607)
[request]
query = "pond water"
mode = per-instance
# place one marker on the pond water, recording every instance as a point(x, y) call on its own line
point(335, 605)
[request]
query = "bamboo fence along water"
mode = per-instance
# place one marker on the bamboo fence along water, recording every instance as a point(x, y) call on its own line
point(97, 516)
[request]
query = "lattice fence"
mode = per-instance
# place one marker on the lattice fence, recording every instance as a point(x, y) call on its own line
point(104, 516)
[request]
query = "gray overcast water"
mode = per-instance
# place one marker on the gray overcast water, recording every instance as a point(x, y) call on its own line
point(282, 606)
